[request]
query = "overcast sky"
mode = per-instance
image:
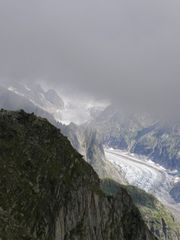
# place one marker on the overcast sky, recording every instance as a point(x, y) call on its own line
point(125, 50)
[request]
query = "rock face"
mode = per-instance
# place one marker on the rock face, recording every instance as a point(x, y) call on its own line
point(175, 192)
point(12, 101)
point(91, 216)
point(84, 139)
point(32, 98)
point(141, 134)
point(48, 192)
point(159, 220)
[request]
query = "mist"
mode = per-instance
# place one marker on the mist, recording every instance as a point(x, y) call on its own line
point(125, 51)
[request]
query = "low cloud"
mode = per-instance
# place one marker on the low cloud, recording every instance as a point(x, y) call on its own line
point(127, 51)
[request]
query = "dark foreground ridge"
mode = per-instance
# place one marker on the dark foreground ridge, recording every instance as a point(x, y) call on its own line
point(48, 192)
point(158, 219)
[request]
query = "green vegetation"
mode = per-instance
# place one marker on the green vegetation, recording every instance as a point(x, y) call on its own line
point(48, 190)
point(156, 216)
point(34, 159)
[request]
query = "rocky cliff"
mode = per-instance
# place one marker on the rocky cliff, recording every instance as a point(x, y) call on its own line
point(140, 133)
point(175, 192)
point(85, 140)
point(159, 220)
point(48, 192)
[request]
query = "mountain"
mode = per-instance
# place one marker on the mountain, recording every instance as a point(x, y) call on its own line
point(65, 107)
point(84, 140)
point(141, 134)
point(48, 100)
point(136, 132)
point(48, 192)
point(159, 220)
point(12, 101)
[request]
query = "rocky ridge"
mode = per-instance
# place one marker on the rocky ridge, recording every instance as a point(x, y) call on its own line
point(48, 192)
point(159, 220)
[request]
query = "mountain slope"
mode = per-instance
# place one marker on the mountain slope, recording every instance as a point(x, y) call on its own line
point(84, 140)
point(159, 220)
point(11, 101)
point(48, 192)
point(47, 100)
point(140, 134)
point(175, 192)
point(65, 106)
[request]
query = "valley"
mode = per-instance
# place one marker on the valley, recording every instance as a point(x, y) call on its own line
point(146, 175)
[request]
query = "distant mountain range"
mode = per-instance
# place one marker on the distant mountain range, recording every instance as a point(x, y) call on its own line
point(140, 134)
point(48, 104)
point(64, 109)
point(48, 101)
point(137, 133)
point(12, 101)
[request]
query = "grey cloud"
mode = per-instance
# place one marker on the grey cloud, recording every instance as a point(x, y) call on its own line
point(124, 50)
